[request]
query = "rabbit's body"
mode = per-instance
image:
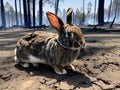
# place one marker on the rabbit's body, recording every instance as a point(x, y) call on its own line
point(57, 50)
point(46, 50)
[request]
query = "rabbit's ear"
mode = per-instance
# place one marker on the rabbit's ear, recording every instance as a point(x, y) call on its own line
point(54, 20)
point(69, 16)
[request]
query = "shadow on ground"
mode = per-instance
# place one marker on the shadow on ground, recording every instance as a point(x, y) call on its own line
point(92, 50)
point(74, 78)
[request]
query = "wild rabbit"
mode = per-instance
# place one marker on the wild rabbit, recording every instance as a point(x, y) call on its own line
point(58, 50)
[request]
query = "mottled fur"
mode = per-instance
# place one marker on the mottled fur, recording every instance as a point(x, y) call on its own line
point(57, 50)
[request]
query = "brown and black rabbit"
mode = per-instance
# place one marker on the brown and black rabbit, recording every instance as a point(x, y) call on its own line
point(58, 50)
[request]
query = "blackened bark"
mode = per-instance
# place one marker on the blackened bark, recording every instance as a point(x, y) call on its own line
point(25, 14)
point(3, 14)
point(40, 12)
point(101, 13)
point(33, 13)
point(29, 16)
point(16, 14)
point(56, 6)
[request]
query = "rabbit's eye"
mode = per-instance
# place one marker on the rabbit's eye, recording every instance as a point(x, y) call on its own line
point(68, 34)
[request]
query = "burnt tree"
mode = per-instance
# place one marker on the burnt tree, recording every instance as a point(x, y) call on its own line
point(16, 14)
point(101, 13)
point(33, 13)
point(2, 14)
point(29, 16)
point(25, 14)
point(40, 12)
point(56, 6)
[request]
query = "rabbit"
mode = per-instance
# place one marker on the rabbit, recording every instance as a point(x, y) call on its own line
point(58, 50)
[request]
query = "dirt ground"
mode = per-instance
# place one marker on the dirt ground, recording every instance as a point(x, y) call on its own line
point(96, 68)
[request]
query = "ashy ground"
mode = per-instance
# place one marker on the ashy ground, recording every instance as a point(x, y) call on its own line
point(96, 68)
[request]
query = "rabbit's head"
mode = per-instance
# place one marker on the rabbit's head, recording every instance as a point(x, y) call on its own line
point(69, 35)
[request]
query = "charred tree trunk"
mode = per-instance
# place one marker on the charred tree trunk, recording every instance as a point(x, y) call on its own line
point(101, 13)
point(20, 12)
point(3, 14)
point(56, 6)
point(25, 14)
point(111, 25)
point(29, 16)
point(16, 14)
point(40, 12)
point(116, 8)
point(33, 13)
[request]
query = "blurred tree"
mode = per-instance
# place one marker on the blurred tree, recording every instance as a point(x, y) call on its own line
point(83, 11)
point(3, 14)
point(16, 13)
point(109, 12)
point(76, 16)
point(11, 13)
point(64, 15)
point(81, 18)
point(25, 13)
point(33, 13)
point(54, 3)
point(7, 10)
point(40, 12)
point(95, 11)
point(20, 12)
point(89, 8)
point(101, 13)
point(56, 6)
point(118, 10)
point(116, 4)
point(29, 15)
point(27, 8)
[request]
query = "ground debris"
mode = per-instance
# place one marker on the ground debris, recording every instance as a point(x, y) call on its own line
point(96, 68)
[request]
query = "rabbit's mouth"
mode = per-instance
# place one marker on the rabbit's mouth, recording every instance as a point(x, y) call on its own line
point(67, 47)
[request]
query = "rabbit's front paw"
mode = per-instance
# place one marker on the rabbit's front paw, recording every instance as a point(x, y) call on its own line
point(35, 64)
point(59, 70)
point(70, 66)
point(25, 65)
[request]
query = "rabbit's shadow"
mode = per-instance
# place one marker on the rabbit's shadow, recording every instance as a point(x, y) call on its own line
point(74, 78)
